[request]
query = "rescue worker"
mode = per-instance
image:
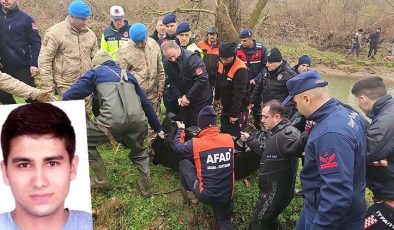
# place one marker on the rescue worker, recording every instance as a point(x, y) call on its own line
point(169, 21)
point(15, 87)
point(333, 175)
point(189, 81)
point(373, 40)
point(160, 30)
point(184, 38)
point(211, 177)
point(254, 54)
point(278, 165)
point(19, 46)
point(274, 81)
point(142, 57)
point(210, 49)
point(116, 33)
point(356, 43)
point(303, 65)
point(231, 90)
point(124, 110)
point(372, 98)
point(67, 50)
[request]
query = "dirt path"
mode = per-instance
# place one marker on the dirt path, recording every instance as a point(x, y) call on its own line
point(357, 72)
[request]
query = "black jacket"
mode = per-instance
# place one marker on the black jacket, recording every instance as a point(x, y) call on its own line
point(232, 92)
point(380, 149)
point(374, 38)
point(189, 77)
point(273, 84)
point(20, 43)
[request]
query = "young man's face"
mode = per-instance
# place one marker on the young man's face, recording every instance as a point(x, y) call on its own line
point(9, 4)
point(39, 173)
point(171, 28)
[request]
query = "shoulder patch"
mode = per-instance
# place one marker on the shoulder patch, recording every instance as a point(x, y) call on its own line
point(328, 161)
point(34, 26)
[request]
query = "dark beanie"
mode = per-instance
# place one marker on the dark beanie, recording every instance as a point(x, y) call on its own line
point(169, 18)
point(245, 33)
point(274, 55)
point(182, 27)
point(305, 59)
point(227, 49)
point(207, 117)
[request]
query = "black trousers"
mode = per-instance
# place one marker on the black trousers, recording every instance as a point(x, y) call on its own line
point(22, 74)
point(379, 216)
point(373, 49)
point(221, 210)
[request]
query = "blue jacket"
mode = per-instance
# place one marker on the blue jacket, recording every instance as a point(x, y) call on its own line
point(333, 176)
point(20, 43)
point(86, 85)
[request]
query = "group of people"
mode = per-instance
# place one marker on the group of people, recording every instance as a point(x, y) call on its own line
point(125, 81)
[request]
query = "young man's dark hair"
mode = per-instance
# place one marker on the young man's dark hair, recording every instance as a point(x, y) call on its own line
point(37, 119)
point(372, 87)
point(276, 107)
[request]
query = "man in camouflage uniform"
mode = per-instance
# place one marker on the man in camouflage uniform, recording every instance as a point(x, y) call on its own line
point(67, 50)
point(142, 57)
point(14, 86)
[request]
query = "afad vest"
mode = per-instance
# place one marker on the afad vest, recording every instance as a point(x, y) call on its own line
point(208, 49)
point(213, 154)
point(238, 64)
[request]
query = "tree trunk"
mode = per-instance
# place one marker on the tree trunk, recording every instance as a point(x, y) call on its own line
point(256, 14)
point(224, 24)
point(234, 10)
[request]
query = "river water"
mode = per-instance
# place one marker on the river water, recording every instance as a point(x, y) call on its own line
point(340, 88)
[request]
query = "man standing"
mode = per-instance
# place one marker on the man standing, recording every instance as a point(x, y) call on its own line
point(160, 30)
point(184, 38)
point(254, 55)
point(124, 110)
point(278, 165)
point(373, 43)
point(211, 177)
point(189, 81)
point(231, 90)
point(115, 34)
point(19, 46)
point(356, 42)
point(333, 175)
point(272, 85)
point(373, 100)
point(38, 145)
point(169, 21)
point(210, 48)
point(68, 49)
point(142, 57)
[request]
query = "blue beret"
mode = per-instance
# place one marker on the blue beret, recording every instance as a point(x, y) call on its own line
point(169, 18)
point(79, 9)
point(182, 27)
point(303, 82)
point(245, 33)
point(138, 32)
point(305, 59)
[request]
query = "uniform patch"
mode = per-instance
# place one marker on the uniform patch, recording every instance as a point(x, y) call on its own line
point(126, 34)
point(34, 26)
point(370, 221)
point(328, 160)
point(279, 76)
point(199, 71)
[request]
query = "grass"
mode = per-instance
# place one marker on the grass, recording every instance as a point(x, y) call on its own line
point(334, 59)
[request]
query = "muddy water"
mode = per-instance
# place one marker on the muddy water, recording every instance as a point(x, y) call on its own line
point(340, 88)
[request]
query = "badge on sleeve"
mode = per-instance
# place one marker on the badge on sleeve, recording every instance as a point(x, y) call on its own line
point(328, 161)
point(199, 70)
point(34, 26)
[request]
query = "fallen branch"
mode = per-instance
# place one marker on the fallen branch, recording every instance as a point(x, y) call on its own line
point(167, 192)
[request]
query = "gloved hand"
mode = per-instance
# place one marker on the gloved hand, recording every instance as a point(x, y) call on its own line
point(46, 96)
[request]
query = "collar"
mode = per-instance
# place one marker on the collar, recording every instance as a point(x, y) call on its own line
point(213, 130)
point(126, 24)
point(281, 125)
point(378, 105)
point(324, 110)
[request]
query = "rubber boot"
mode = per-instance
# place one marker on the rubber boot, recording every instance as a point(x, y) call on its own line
point(144, 184)
point(100, 179)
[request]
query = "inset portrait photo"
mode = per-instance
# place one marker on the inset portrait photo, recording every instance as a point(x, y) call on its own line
point(44, 176)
